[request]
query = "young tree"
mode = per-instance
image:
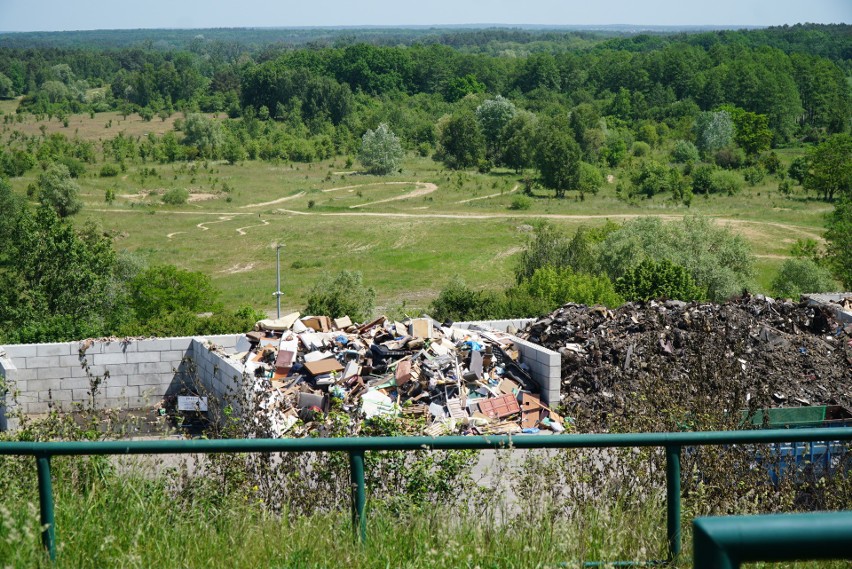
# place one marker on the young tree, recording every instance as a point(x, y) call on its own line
point(493, 115)
point(713, 130)
point(517, 141)
point(798, 276)
point(204, 134)
point(830, 168)
point(165, 288)
point(558, 158)
point(839, 239)
point(57, 189)
point(460, 142)
point(381, 152)
point(342, 295)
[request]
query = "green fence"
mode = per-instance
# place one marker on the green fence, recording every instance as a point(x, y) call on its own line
point(356, 447)
point(726, 542)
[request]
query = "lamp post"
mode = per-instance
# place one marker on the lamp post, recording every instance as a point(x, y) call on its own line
point(277, 294)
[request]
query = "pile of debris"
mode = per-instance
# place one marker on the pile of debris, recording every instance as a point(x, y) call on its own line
point(766, 352)
point(438, 378)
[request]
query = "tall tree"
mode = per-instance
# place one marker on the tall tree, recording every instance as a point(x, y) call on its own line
point(57, 189)
point(839, 239)
point(558, 157)
point(830, 167)
point(381, 152)
point(493, 115)
point(460, 142)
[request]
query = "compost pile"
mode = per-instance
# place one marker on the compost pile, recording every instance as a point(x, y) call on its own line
point(644, 359)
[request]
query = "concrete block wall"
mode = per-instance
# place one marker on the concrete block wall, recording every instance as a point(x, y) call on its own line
point(545, 365)
point(220, 377)
point(133, 373)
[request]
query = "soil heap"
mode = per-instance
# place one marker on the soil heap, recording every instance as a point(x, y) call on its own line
point(660, 364)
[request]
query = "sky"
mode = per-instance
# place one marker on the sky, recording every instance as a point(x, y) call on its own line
point(59, 15)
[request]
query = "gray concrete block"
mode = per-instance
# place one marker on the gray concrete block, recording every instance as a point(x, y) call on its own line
point(121, 392)
point(53, 372)
point(35, 385)
point(42, 361)
point(36, 408)
point(25, 374)
point(69, 361)
point(174, 356)
point(143, 357)
point(154, 367)
point(15, 351)
point(154, 345)
point(75, 383)
point(109, 359)
point(63, 349)
point(123, 369)
point(80, 395)
point(181, 344)
point(116, 347)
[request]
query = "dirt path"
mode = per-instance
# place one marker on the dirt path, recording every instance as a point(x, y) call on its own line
point(491, 195)
point(223, 219)
point(273, 202)
point(421, 189)
point(241, 230)
point(170, 235)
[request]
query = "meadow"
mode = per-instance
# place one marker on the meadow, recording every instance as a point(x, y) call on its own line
point(409, 233)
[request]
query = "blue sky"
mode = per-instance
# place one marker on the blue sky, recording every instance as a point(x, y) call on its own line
point(52, 15)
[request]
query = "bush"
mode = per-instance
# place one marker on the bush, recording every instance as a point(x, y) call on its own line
point(650, 280)
point(556, 286)
point(730, 158)
point(165, 289)
point(640, 148)
point(684, 152)
point(798, 276)
point(176, 196)
point(458, 302)
point(109, 170)
point(718, 260)
point(754, 175)
point(57, 189)
point(591, 179)
point(726, 183)
point(342, 295)
point(381, 151)
point(520, 203)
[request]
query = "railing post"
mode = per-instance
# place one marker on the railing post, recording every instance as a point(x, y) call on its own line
point(673, 499)
point(45, 498)
point(359, 494)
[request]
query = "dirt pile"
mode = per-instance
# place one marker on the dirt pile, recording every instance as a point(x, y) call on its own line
point(659, 362)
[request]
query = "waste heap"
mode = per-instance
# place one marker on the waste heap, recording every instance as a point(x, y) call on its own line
point(438, 378)
point(757, 350)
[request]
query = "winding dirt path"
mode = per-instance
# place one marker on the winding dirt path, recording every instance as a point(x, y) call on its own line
point(491, 195)
point(241, 230)
point(223, 219)
point(273, 202)
point(421, 189)
point(170, 235)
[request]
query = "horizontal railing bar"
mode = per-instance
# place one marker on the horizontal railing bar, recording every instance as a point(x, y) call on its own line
point(416, 443)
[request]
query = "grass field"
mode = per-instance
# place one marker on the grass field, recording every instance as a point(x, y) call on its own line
point(408, 233)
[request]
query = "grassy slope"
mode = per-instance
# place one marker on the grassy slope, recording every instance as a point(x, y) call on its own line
point(407, 257)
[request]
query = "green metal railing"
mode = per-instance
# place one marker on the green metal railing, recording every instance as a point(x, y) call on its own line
point(356, 447)
point(726, 542)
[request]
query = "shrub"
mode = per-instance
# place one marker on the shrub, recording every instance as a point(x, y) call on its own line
point(591, 179)
point(558, 285)
point(342, 295)
point(718, 260)
point(684, 152)
point(520, 203)
point(797, 276)
point(726, 182)
point(730, 158)
point(651, 280)
point(640, 148)
point(176, 196)
point(457, 301)
point(109, 170)
point(754, 175)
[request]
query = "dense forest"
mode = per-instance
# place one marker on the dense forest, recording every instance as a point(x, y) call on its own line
point(682, 111)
